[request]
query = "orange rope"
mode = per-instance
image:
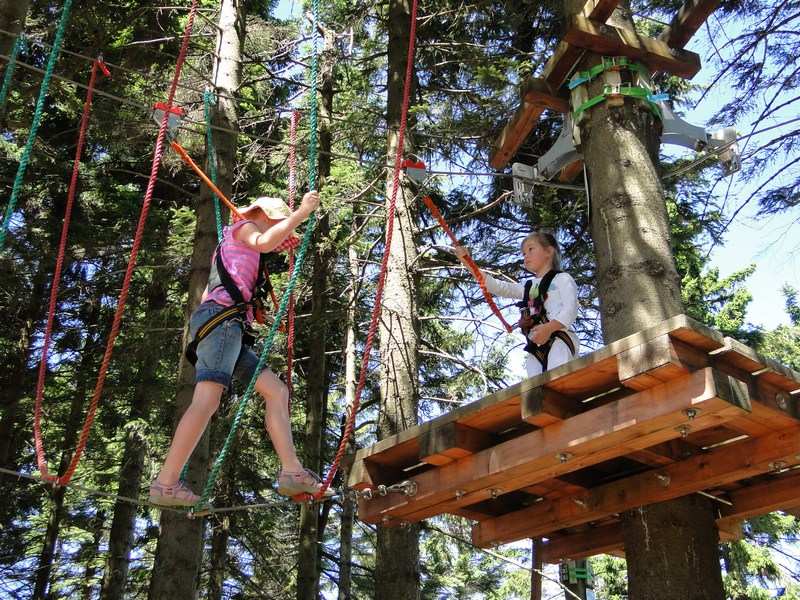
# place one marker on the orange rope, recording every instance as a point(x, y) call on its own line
point(188, 160)
point(476, 272)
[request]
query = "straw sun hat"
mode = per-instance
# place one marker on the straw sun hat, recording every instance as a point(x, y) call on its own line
point(273, 208)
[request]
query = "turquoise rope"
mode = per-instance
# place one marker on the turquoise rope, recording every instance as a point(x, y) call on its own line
point(211, 151)
point(37, 117)
point(284, 303)
point(19, 43)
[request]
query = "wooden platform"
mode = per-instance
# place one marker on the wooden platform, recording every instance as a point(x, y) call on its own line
point(588, 31)
point(673, 410)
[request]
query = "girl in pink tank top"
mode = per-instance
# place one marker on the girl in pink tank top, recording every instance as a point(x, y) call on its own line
point(268, 227)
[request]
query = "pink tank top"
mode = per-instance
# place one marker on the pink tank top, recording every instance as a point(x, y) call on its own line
point(241, 262)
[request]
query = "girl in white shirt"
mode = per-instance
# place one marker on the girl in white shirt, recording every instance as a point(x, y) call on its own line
point(547, 317)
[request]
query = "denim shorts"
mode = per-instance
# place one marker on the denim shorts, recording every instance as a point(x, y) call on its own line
point(221, 354)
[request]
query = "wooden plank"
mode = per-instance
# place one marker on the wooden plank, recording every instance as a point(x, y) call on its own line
point(637, 421)
point(690, 17)
point(515, 133)
point(723, 465)
point(616, 41)
point(537, 91)
point(582, 544)
point(452, 441)
point(599, 10)
point(656, 361)
point(542, 407)
point(762, 498)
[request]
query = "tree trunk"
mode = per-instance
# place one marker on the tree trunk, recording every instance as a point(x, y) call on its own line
point(91, 552)
point(536, 569)
point(12, 18)
point(397, 574)
point(638, 286)
point(87, 365)
point(348, 508)
point(311, 522)
point(222, 529)
point(179, 550)
point(130, 478)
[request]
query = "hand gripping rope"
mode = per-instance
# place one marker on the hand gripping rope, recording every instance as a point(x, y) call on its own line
point(158, 153)
point(376, 311)
point(476, 272)
point(97, 67)
point(313, 155)
point(37, 118)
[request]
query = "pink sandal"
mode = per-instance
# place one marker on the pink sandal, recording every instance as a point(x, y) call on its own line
point(295, 483)
point(172, 495)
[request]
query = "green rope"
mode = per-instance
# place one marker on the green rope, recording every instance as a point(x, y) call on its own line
point(284, 303)
point(37, 116)
point(19, 43)
point(208, 97)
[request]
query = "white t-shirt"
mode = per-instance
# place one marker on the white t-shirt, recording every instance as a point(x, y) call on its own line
point(561, 303)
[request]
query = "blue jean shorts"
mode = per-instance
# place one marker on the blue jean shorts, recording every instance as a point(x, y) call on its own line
point(221, 355)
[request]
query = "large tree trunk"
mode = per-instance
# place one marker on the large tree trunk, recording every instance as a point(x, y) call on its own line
point(120, 539)
point(87, 365)
point(638, 286)
point(90, 552)
point(397, 573)
point(218, 559)
point(309, 555)
point(348, 508)
point(179, 550)
point(12, 18)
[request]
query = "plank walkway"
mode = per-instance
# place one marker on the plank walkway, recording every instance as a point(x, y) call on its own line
point(672, 410)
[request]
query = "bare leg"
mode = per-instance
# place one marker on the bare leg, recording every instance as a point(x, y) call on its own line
point(276, 419)
point(193, 423)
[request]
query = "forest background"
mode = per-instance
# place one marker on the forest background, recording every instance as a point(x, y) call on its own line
point(469, 61)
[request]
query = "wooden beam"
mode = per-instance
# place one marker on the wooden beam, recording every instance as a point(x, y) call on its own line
point(720, 466)
point(571, 171)
point(616, 41)
point(599, 10)
point(450, 442)
point(690, 17)
point(631, 423)
point(515, 133)
point(760, 499)
point(656, 361)
point(537, 91)
point(543, 407)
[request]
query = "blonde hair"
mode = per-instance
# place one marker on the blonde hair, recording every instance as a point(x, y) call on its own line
point(546, 239)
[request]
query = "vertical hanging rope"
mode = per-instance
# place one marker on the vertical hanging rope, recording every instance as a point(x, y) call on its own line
point(37, 117)
point(376, 310)
point(158, 153)
point(41, 461)
point(208, 98)
point(291, 197)
point(301, 255)
point(12, 63)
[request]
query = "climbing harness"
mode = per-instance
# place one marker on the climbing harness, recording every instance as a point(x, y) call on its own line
point(37, 118)
point(98, 69)
point(535, 310)
point(473, 268)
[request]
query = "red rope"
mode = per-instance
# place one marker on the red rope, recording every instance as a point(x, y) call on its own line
point(376, 310)
point(292, 193)
point(476, 272)
point(97, 65)
point(158, 153)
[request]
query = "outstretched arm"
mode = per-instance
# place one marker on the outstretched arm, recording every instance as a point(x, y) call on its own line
point(504, 289)
point(271, 238)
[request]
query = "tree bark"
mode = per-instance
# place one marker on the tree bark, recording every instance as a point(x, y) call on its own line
point(90, 553)
point(120, 539)
point(12, 18)
point(397, 574)
point(179, 550)
point(311, 521)
point(638, 286)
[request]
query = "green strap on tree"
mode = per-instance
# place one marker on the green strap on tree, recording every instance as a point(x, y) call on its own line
point(631, 91)
point(37, 117)
point(19, 44)
point(208, 99)
point(609, 63)
point(284, 303)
